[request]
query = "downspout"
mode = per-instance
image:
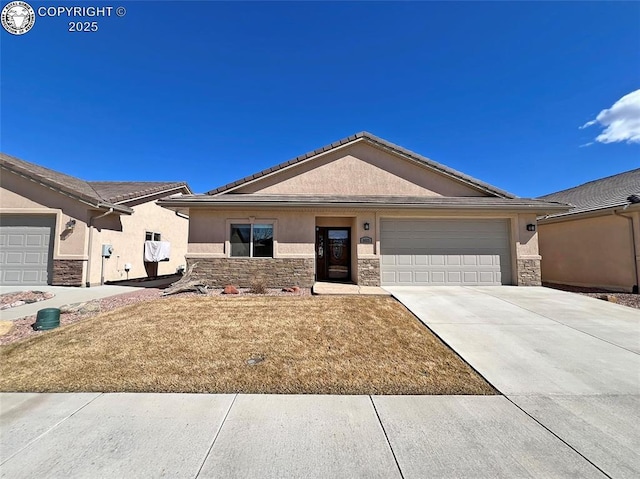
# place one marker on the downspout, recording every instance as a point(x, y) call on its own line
point(633, 243)
point(91, 219)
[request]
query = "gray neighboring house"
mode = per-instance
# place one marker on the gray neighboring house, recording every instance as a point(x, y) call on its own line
point(597, 242)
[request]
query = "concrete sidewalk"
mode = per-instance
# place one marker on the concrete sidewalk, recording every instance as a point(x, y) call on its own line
point(569, 361)
point(272, 436)
point(63, 295)
point(339, 289)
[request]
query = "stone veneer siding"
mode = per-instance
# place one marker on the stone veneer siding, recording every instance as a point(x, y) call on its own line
point(243, 272)
point(529, 272)
point(67, 272)
point(369, 271)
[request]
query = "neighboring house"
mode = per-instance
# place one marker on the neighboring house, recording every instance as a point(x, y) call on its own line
point(53, 227)
point(366, 211)
point(597, 242)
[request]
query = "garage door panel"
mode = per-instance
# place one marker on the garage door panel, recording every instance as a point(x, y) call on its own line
point(470, 276)
point(15, 240)
point(421, 260)
point(13, 258)
point(33, 259)
point(445, 252)
point(421, 277)
point(26, 257)
point(437, 260)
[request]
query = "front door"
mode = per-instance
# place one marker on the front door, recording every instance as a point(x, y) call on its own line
point(333, 254)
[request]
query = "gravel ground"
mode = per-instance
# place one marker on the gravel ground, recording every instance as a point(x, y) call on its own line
point(22, 328)
point(18, 298)
point(626, 299)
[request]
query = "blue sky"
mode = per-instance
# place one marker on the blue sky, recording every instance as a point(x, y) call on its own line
point(209, 92)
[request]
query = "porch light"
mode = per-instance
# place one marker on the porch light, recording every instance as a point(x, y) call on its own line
point(531, 227)
point(366, 226)
point(70, 224)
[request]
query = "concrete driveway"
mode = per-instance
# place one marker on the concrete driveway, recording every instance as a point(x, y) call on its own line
point(570, 362)
point(63, 295)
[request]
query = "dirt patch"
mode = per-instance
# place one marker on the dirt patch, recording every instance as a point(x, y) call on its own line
point(18, 298)
point(246, 344)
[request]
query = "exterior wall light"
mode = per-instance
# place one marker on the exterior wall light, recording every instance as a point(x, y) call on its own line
point(366, 226)
point(531, 227)
point(70, 224)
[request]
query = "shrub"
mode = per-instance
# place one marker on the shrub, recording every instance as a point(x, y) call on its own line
point(258, 287)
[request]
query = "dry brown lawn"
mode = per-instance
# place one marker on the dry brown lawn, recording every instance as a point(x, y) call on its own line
point(317, 345)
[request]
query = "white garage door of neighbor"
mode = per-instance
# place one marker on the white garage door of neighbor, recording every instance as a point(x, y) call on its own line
point(25, 249)
point(445, 252)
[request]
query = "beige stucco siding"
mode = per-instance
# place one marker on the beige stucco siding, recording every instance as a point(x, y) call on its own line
point(127, 235)
point(294, 230)
point(359, 169)
point(596, 251)
point(20, 196)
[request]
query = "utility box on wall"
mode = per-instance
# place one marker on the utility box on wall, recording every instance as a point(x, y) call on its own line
point(107, 250)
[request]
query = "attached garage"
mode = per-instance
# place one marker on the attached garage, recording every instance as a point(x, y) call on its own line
point(445, 252)
point(26, 249)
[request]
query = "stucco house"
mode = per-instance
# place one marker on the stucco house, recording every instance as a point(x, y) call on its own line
point(365, 211)
point(54, 227)
point(597, 242)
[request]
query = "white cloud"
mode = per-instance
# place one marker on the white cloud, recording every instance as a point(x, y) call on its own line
point(621, 122)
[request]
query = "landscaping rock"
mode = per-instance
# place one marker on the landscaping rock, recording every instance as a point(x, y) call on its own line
point(287, 290)
point(81, 308)
point(608, 297)
point(230, 290)
point(5, 327)
point(296, 289)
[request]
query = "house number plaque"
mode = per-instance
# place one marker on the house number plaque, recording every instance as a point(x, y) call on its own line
point(366, 240)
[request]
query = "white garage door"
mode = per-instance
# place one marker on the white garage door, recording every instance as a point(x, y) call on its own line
point(445, 252)
point(25, 249)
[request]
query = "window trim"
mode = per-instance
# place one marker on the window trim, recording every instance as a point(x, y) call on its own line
point(252, 220)
point(153, 235)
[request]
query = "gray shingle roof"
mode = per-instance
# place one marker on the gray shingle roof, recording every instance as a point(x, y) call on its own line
point(384, 144)
point(608, 192)
point(435, 202)
point(97, 194)
point(119, 191)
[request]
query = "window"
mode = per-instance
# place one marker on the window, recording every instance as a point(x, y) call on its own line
point(252, 241)
point(151, 236)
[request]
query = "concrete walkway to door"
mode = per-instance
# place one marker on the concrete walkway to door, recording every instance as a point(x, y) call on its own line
point(569, 361)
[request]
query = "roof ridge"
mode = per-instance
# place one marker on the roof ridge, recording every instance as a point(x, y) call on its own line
point(423, 160)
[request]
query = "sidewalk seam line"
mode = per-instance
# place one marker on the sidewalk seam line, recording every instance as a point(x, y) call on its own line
point(215, 438)
point(50, 429)
point(386, 436)
point(556, 321)
point(558, 437)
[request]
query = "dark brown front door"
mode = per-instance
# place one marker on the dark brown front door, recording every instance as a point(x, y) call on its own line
point(333, 254)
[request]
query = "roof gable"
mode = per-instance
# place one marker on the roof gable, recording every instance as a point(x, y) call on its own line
point(97, 194)
point(599, 194)
point(371, 165)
